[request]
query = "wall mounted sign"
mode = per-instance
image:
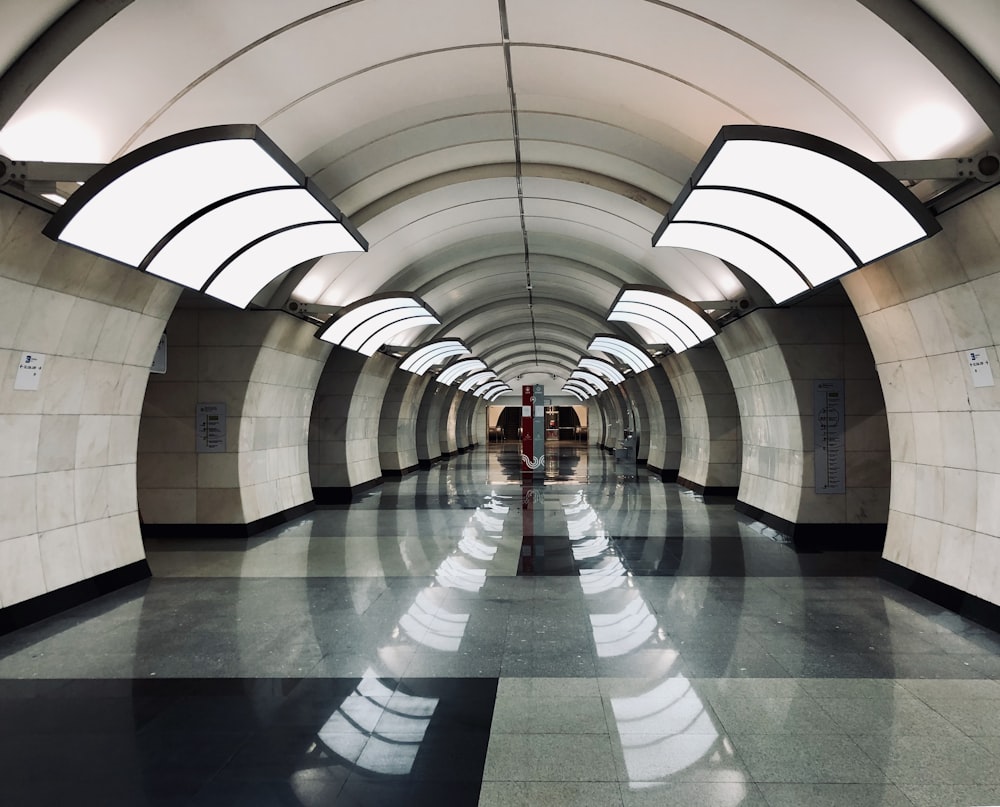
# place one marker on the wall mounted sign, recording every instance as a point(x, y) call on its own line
point(210, 428)
point(979, 366)
point(159, 365)
point(829, 460)
point(29, 371)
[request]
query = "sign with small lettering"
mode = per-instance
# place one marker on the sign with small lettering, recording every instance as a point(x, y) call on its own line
point(29, 371)
point(829, 461)
point(979, 366)
point(210, 428)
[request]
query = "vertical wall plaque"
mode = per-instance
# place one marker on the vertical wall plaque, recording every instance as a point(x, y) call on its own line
point(830, 462)
point(210, 428)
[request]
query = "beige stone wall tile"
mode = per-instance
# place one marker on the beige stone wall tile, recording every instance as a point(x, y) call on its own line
point(902, 330)
point(960, 498)
point(163, 470)
point(91, 494)
point(60, 556)
point(988, 504)
point(894, 387)
point(958, 441)
point(923, 553)
point(219, 506)
point(986, 427)
point(903, 491)
point(19, 440)
point(55, 500)
point(93, 437)
point(954, 561)
point(949, 372)
point(56, 447)
point(18, 496)
point(169, 505)
point(932, 324)
point(21, 576)
point(929, 500)
point(984, 571)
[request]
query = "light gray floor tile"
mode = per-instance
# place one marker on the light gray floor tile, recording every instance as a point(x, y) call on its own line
point(689, 794)
point(550, 794)
point(900, 713)
point(824, 795)
point(804, 758)
point(937, 795)
point(931, 760)
point(928, 690)
point(550, 715)
point(801, 715)
point(549, 758)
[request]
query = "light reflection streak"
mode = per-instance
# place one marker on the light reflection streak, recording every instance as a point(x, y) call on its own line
point(379, 729)
point(664, 728)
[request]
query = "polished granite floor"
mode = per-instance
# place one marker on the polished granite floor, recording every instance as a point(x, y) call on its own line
point(457, 637)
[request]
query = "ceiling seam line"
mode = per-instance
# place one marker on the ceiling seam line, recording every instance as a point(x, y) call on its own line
point(516, 134)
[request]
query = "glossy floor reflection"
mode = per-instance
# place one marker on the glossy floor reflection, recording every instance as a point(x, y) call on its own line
point(456, 637)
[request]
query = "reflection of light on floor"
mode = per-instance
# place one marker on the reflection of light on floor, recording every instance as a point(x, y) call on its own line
point(592, 547)
point(473, 547)
point(607, 576)
point(618, 634)
point(663, 731)
point(378, 729)
point(432, 625)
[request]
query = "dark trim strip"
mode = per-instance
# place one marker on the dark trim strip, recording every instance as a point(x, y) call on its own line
point(821, 537)
point(398, 472)
point(343, 495)
point(226, 530)
point(425, 464)
point(708, 490)
point(961, 602)
point(42, 607)
point(665, 474)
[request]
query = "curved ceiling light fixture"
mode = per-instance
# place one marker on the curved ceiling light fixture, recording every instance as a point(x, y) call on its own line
point(492, 396)
point(367, 325)
point(589, 379)
point(453, 372)
point(602, 368)
point(574, 392)
point(477, 379)
point(581, 389)
point(221, 210)
point(631, 355)
point(671, 319)
point(421, 359)
point(792, 210)
point(491, 387)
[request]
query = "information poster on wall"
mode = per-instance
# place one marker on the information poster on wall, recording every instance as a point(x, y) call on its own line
point(29, 371)
point(210, 428)
point(830, 462)
point(979, 367)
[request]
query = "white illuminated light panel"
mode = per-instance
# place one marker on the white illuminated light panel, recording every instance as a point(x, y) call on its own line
point(476, 379)
point(589, 379)
point(220, 210)
point(792, 210)
point(489, 387)
point(603, 368)
point(369, 324)
point(627, 353)
point(419, 361)
point(453, 372)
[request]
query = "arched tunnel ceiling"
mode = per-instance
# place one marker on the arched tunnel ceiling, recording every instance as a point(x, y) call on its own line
point(481, 145)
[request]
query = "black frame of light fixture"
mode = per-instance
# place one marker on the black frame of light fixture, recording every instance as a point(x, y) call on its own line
point(364, 301)
point(819, 145)
point(192, 137)
point(699, 312)
point(453, 339)
point(628, 342)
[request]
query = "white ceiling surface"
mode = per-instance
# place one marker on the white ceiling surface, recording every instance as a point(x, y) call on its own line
point(400, 111)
